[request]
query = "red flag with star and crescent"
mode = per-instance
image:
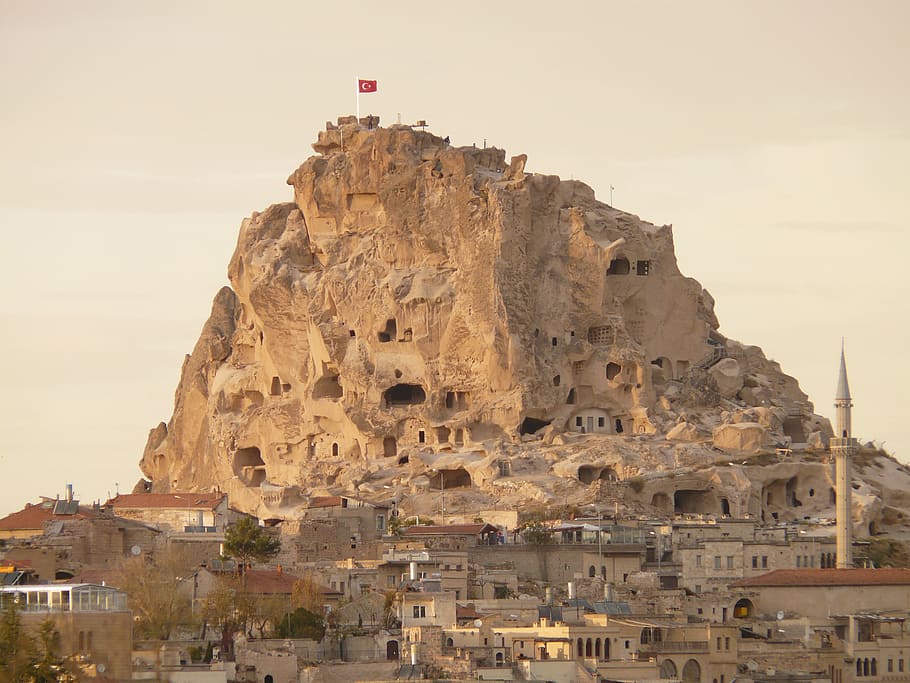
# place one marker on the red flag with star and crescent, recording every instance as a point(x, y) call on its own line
point(366, 86)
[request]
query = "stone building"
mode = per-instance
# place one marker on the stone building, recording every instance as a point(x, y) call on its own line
point(175, 512)
point(94, 623)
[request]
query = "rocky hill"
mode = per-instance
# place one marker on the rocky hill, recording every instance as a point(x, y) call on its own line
point(424, 316)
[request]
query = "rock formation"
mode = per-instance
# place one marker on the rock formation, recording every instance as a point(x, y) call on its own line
point(423, 315)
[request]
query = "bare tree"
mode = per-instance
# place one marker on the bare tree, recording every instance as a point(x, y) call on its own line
point(160, 603)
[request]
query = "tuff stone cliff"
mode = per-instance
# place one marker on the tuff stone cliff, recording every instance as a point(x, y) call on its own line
point(425, 316)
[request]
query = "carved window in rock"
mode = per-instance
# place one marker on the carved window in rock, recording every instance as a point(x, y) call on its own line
point(601, 335)
point(612, 370)
point(390, 332)
point(619, 266)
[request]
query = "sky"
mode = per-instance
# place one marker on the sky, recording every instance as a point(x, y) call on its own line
point(134, 138)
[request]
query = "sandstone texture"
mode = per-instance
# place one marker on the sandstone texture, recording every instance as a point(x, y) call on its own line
point(424, 316)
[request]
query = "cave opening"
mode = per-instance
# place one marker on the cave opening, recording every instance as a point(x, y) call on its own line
point(404, 395)
point(390, 447)
point(450, 479)
point(619, 266)
point(694, 502)
point(249, 466)
point(390, 332)
point(327, 386)
point(530, 425)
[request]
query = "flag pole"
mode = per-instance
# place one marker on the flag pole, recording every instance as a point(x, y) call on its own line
point(357, 88)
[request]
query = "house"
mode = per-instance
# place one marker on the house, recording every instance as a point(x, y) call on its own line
point(175, 512)
point(453, 536)
point(850, 622)
point(451, 567)
point(32, 520)
point(94, 623)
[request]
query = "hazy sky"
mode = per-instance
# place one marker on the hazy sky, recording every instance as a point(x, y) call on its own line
point(135, 136)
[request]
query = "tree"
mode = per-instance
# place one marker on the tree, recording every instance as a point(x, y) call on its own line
point(246, 540)
point(307, 593)
point(30, 658)
point(15, 645)
point(301, 623)
point(160, 603)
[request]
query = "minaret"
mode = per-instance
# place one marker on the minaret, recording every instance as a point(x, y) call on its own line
point(843, 448)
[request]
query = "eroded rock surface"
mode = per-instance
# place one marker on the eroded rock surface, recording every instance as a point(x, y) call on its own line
point(423, 313)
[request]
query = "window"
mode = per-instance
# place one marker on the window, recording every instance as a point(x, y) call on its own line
point(755, 562)
point(717, 561)
point(890, 665)
point(698, 588)
point(420, 611)
point(627, 644)
point(798, 561)
point(698, 560)
point(380, 523)
point(600, 422)
point(764, 561)
point(390, 581)
point(718, 642)
point(421, 436)
point(727, 643)
point(900, 664)
point(729, 562)
point(578, 422)
point(643, 268)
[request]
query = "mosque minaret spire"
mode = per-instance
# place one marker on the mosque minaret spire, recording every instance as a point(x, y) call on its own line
point(843, 448)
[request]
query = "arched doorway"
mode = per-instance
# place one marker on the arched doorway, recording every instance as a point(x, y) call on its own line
point(743, 609)
point(691, 672)
point(580, 648)
point(391, 650)
point(668, 669)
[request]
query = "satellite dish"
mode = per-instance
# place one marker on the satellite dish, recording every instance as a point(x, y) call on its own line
point(101, 668)
point(136, 550)
point(478, 623)
point(780, 615)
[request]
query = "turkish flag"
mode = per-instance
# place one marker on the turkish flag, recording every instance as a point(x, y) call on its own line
point(366, 86)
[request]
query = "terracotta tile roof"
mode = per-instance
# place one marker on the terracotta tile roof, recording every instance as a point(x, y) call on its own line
point(829, 577)
point(180, 501)
point(34, 516)
point(467, 612)
point(451, 530)
point(325, 502)
point(273, 582)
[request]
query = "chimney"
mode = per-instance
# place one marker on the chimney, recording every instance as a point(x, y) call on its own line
point(571, 590)
point(69, 493)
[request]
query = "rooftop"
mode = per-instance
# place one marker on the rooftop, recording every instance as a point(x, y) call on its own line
point(182, 501)
point(829, 577)
point(34, 516)
point(452, 529)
